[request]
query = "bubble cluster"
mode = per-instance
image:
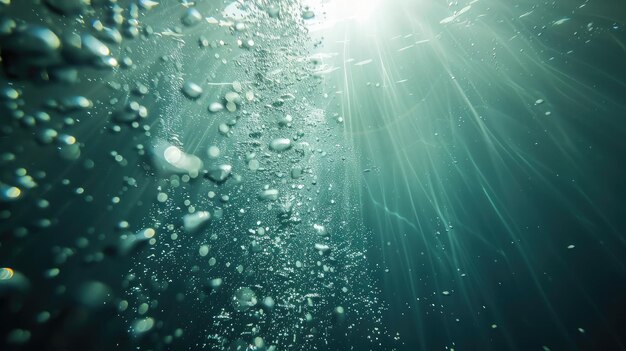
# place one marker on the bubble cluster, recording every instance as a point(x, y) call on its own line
point(169, 178)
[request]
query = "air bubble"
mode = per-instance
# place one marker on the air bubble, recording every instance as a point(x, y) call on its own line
point(191, 17)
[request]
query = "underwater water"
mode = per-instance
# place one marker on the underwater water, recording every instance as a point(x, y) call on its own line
point(312, 175)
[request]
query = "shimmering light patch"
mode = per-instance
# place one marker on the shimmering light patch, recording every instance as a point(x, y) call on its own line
point(6, 273)
point(235, 11)
point(358, 9)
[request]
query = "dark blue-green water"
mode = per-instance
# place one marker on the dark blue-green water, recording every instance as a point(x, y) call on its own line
point(312, 175)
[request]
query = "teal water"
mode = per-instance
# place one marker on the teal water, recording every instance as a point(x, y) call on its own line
point(312, 175)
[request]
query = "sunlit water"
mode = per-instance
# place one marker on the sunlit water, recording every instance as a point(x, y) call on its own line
point(312, 175)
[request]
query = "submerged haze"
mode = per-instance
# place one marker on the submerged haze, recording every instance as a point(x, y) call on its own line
point(312, 175)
